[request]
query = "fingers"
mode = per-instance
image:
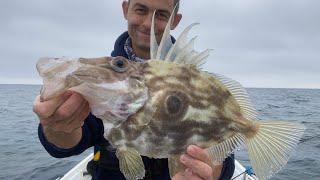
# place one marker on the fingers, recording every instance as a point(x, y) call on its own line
point(198, 153)
point(63, 114)
point(47, 108)
point(68, 109)
point(202, 155)
point(81, 114)
point(189, 175)
point(198, 161)
point(197, 167)
point(186, 175)
point(76, 121)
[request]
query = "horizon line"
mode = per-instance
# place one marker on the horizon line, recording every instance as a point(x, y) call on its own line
point(37, 84)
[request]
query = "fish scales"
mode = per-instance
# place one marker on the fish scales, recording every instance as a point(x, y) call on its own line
point(163, 125)
point(160, 107)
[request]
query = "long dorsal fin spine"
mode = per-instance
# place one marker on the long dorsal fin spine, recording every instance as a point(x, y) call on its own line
point(153, 40)
point(166, 42)
point(181, 52)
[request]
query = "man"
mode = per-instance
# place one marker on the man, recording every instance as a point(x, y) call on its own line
point(67, 128)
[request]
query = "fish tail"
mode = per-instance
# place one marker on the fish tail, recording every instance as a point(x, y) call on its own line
point(269, 149)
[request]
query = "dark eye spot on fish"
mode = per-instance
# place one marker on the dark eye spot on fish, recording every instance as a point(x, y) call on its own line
point(173, 104)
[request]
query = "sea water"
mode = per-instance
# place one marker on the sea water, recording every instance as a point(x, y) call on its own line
point(23, 157)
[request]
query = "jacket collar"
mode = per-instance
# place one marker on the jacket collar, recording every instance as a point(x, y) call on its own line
point(119, 45)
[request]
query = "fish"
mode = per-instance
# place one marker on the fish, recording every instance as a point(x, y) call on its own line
point(160, 107)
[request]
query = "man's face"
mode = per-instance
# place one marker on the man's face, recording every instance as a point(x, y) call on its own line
point(139, 16)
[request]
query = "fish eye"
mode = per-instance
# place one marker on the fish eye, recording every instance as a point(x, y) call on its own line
point(119, 64)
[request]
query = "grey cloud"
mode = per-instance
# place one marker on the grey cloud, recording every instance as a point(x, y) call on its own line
point(254, 41)
point(272, 40)
point(32, 29)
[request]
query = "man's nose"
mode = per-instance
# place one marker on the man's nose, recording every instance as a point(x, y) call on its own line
point(147, 21)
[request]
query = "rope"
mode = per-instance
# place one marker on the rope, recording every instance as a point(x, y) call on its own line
point(238, 175)
point(248, 171)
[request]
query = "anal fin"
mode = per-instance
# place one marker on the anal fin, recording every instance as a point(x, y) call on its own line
point(222, 150)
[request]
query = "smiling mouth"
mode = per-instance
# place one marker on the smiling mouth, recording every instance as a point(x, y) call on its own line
point(144, 33)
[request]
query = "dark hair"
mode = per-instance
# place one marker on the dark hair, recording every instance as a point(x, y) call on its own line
point(176, 2)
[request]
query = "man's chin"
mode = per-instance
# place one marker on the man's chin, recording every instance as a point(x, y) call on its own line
point(143, 43)
point(144, 46)
point(144, 39)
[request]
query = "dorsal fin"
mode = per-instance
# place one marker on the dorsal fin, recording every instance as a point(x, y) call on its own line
point(181, 41)
point(200, 58)
point(153, 40)
point(189, 47)
point(240, 94)
point(166, 42)
point(181, 52)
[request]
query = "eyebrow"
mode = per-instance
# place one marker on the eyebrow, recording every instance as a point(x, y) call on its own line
point(140, 5)
point(146, 7)
point(164, 11)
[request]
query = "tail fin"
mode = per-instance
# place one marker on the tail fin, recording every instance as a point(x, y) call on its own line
point(270, 148)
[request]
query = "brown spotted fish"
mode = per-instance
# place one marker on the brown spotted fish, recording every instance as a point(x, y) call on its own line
point(158, 108)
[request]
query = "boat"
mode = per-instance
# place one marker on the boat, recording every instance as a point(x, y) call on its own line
point(79, 172)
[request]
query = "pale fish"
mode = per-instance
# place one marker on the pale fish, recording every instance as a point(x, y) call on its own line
point(160, 107)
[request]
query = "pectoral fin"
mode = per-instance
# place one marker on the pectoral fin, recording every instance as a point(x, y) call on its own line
point(131, 164)
point(175, 165)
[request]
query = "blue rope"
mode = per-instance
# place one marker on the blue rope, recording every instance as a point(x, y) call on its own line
point(248, 171)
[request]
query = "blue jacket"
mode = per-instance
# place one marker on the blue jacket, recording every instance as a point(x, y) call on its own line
point(108, 166)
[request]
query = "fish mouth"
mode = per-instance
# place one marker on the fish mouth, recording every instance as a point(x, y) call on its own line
point(49, 91)
point(115, 102)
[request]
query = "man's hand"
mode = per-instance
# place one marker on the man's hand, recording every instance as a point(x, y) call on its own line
point(199, 165)
point(62, 118)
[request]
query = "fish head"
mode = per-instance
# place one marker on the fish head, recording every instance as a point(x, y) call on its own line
point(113, 86)
point(107, 71)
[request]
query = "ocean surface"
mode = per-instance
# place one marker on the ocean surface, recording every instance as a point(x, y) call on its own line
point(23, 157)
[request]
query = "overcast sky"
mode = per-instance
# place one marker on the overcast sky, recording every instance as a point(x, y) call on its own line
point(260, 43)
